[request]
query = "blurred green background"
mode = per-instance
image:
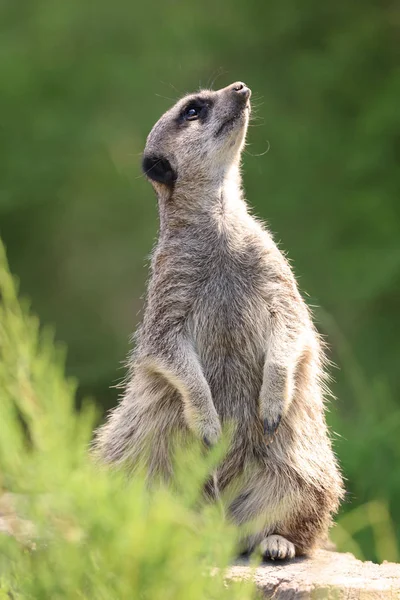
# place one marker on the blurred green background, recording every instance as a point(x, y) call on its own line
point(82, 83)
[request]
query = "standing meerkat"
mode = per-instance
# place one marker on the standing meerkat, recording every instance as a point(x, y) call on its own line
point(226, 337)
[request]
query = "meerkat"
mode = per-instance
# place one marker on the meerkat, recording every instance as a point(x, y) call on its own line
point(226, 338)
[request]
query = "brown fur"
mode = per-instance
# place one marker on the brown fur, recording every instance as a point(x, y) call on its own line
point(226, 338)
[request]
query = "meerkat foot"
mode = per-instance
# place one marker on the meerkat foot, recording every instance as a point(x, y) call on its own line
point(276, 547)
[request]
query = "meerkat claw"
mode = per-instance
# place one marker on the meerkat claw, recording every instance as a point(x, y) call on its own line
point(270, 427)
point(276, 547)
point(207, 442)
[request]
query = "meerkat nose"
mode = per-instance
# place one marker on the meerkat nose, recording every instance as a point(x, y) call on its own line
point(241, 88)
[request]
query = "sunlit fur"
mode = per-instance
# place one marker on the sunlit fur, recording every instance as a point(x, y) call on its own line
point(227, 338)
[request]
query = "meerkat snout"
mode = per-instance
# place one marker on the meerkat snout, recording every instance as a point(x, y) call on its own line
point(242, 89)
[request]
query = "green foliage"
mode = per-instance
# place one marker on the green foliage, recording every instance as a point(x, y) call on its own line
point(369, 448)
point(81, 86)
point(95, 535)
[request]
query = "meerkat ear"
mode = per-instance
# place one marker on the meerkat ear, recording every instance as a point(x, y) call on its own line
point(159, 169)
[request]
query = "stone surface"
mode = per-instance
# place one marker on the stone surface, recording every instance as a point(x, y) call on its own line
point(326, 575)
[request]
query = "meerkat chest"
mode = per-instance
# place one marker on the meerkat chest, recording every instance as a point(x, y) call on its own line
point(229, 313)
point(228, 322)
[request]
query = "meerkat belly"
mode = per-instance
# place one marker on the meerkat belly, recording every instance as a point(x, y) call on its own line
point(229, 330)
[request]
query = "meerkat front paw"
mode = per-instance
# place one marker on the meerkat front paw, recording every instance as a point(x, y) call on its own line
point(207, 427)
point(271, 425)
point(211, 432)
point(275, 396)
point(276, 547)
point(271, 418)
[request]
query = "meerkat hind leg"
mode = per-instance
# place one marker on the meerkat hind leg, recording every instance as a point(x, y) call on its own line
point(277, 547)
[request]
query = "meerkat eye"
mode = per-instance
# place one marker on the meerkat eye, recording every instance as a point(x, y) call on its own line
point(194, 110)
point(192, 113)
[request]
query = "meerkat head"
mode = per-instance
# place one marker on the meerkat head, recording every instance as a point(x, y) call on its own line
point(198, 140)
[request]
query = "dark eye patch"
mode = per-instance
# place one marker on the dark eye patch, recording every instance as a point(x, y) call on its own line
point(195, 109)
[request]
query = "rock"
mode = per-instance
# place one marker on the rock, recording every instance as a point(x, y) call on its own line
point(324, 576)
